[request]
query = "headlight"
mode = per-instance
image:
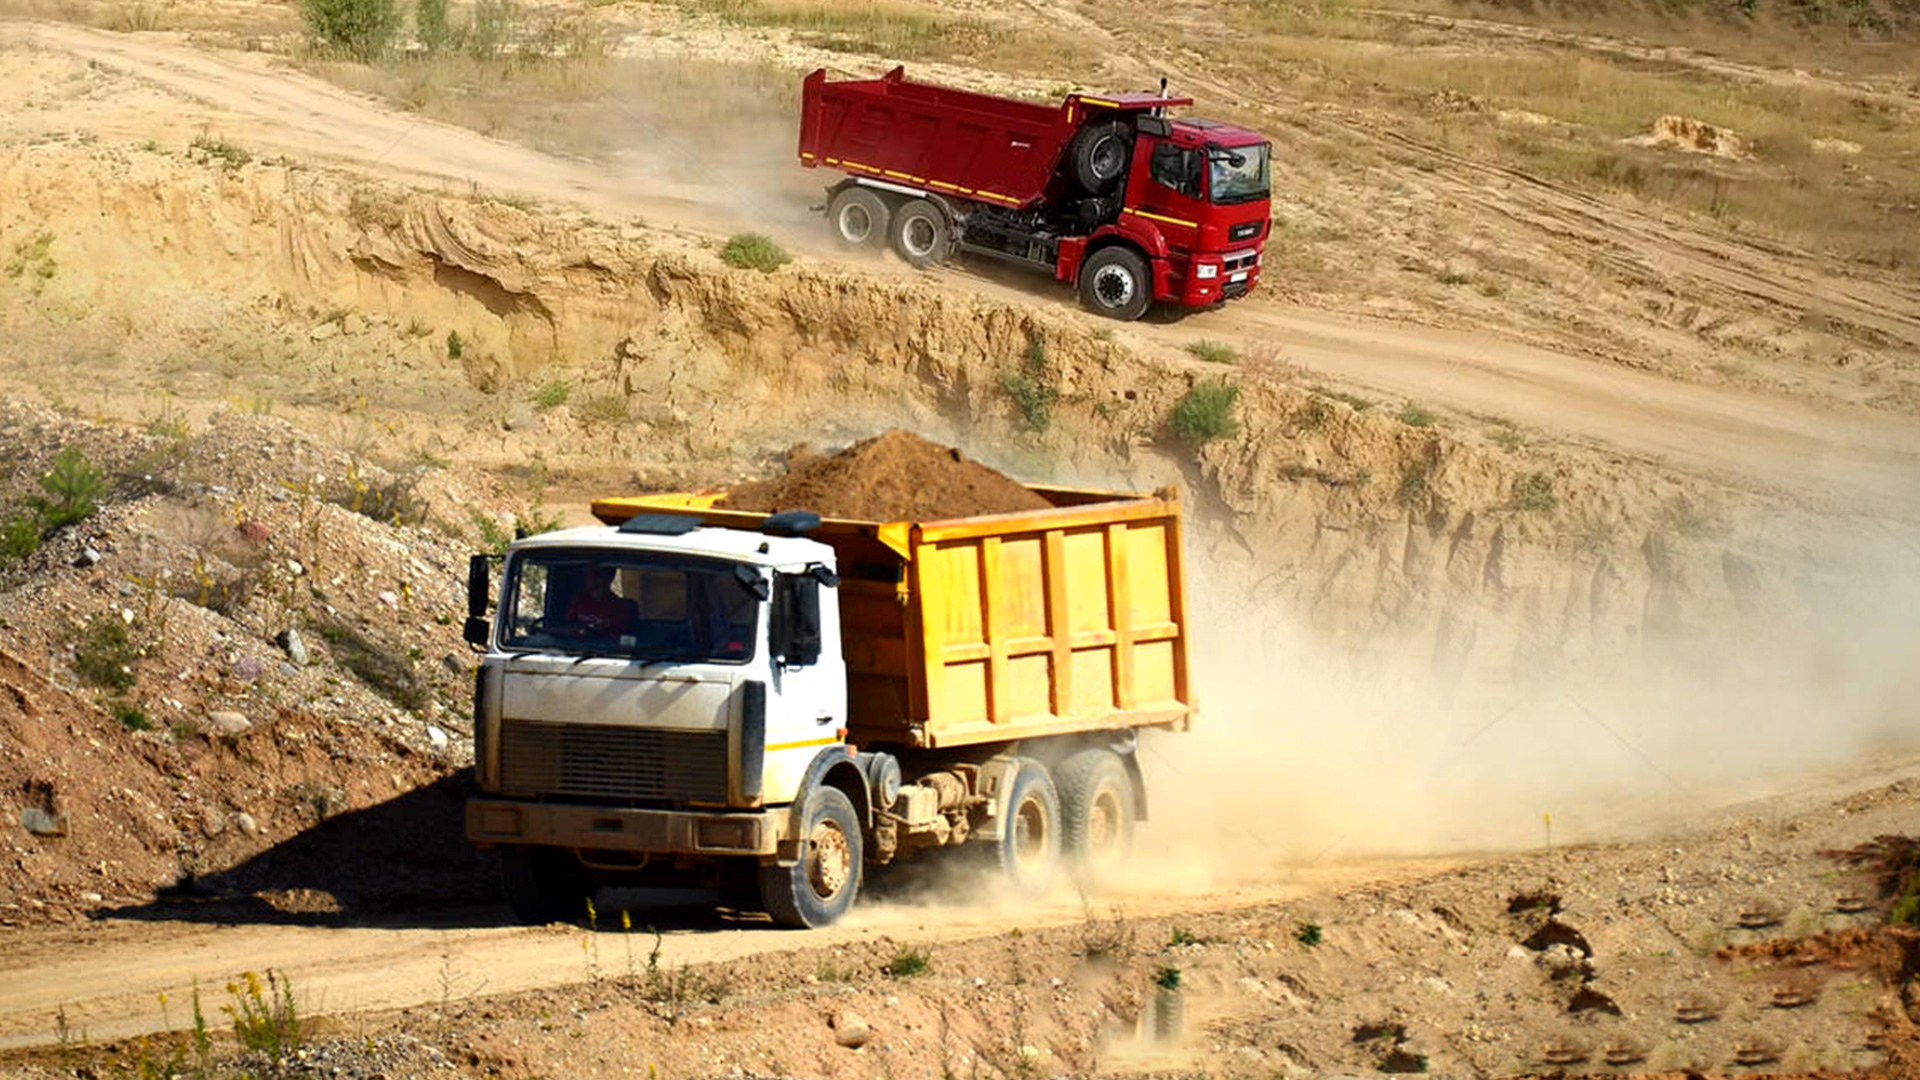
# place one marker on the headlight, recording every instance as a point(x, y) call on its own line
point(1206, 271)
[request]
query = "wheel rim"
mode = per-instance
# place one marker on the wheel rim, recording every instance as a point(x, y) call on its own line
point(855, 223)
point(1113, 286)
point(918, 235)
point(1029, 837)
point(1107, 159)
point(829, 860)
point(1106, 825)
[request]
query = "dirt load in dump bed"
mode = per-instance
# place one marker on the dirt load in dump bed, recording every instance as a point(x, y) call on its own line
point(895, 476)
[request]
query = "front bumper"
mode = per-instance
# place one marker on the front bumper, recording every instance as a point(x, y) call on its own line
point(602, 828)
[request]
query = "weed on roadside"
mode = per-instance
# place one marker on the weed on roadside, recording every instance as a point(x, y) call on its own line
point(1213, 352)
point(266, 1018)
point(228, 155)
point(1413, 415)
point(908, 963)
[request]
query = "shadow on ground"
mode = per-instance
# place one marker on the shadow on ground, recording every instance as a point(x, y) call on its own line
point(406, 863)
point(402, 862)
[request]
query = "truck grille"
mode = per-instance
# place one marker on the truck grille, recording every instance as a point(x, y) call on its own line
point(616, 763)
point(1236, 261)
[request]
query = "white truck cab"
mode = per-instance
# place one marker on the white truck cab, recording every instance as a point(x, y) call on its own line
point(646, 691)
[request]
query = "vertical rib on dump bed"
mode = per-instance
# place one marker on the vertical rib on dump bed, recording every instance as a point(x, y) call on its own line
point(978, 146)
point(1004, 627)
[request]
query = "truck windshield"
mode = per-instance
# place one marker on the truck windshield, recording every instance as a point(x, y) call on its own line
point(1238, 173)
point(639, 605)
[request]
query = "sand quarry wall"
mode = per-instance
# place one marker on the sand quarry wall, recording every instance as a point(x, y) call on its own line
point(1425, 544)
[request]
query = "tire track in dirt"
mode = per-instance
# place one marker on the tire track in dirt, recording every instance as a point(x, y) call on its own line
point(108, 978)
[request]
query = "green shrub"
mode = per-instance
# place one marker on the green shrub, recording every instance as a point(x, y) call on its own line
point(1214, 352)
point(1033, 387)
point(455, 346)
point(908, 963)
point(1415, 416)
point(19, 538)
point(73, 488)
point(430, 25)
point(1415, 484)
point(131, 716)
point(228, 155)
point(494, 25)
point(552, 395)
point(1534, 492)
point(1182, 936)
point(360, 28)
point(1307, 934)
point(103, 652)
point(752, 251)
point(1205, 413)
point(1167, 978)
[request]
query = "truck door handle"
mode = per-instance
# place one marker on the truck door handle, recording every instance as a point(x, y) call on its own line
point(823, 719)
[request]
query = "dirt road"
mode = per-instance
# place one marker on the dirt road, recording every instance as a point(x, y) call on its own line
point(109, 978)
point(1837, 454)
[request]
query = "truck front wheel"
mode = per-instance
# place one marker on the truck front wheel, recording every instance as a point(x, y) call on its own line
point(544, 885)
point(1030, 833)
point(859, 217)
point(920, 233)
point(1096, 813)
point(1115, 282)
point(819, 888)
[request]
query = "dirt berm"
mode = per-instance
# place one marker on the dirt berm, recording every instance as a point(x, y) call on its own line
point(895, 476)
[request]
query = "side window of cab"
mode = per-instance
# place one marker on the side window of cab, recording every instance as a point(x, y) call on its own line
point(1176, 168)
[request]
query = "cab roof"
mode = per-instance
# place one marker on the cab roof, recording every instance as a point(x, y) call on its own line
point(1199, 130)
point(739, 544)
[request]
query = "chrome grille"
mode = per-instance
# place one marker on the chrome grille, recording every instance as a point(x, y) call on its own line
point(619, 763)
point(1235, 261)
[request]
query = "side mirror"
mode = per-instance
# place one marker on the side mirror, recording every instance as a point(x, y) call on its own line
point(796, 620)
point(478, 629)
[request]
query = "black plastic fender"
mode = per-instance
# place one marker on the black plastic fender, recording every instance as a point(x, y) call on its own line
point(834, 766)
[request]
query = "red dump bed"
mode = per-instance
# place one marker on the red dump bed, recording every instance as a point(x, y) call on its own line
point(995, 149)
point(956, 142)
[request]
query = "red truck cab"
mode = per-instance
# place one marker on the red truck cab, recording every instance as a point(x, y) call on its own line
point(1107, 193)
point(1196, 206)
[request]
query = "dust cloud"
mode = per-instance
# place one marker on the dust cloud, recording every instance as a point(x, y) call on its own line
point(1308, 752)
point(720, 135)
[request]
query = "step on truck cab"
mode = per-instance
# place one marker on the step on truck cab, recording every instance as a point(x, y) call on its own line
point(688, 695)
point(1106, 192)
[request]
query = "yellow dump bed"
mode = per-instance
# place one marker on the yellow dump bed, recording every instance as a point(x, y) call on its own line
point(1010, 626)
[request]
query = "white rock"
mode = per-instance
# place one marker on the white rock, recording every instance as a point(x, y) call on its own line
point(225, 722)
point(436, 738)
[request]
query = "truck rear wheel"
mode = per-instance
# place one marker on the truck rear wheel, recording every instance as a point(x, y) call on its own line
point(818, 890)
point(859, 217)
point(1115, 282)
point(1030, 837)
point(920, 233)
point(1096, 813)
point(544, 885)
point(1100, 153)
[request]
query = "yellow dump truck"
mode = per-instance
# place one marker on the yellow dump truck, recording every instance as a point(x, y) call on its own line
point(689, 694)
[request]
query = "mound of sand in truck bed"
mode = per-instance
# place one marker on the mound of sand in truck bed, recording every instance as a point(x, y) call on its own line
point(895, 476)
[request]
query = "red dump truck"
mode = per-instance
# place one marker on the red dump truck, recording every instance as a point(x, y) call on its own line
point(1104, 191)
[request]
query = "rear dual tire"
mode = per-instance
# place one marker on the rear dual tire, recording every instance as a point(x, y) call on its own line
point(859, 217)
